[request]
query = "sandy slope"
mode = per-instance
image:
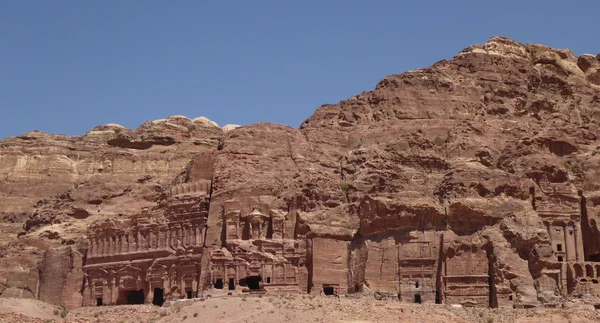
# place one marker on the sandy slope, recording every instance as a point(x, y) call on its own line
point(289, 309)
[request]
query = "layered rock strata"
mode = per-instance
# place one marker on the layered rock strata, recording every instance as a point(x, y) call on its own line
point(474, 181)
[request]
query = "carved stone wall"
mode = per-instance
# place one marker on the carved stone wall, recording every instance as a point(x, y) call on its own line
point(466, 278)
point(257, 250)
point(151, 258)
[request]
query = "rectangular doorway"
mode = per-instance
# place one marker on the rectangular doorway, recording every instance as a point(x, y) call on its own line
point(159, 297)
point(417, 299)
point(231, 284)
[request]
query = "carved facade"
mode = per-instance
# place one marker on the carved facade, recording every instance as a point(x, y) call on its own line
point(150, 259)
point(257, 252)
point(154, 258)
point(466, 278)
point(417, 272)
point(561, 208)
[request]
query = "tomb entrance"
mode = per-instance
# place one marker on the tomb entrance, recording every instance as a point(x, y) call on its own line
point(158, 299)
point(131, 297)
point(253, 282)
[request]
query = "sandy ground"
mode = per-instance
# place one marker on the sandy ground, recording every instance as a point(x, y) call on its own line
point(289, 309)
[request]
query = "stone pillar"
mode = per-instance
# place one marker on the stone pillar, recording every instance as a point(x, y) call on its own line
point(566, 239)
point(121, 251)
point(162, 238)
point(194, 235)
point(579, 255)
point(91, 248)
point(127, 242)
point(147, 239)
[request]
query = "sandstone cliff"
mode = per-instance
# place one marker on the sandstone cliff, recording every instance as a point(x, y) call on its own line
point(470, 166)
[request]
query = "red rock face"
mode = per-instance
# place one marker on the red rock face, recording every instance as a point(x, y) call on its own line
point(473, 181)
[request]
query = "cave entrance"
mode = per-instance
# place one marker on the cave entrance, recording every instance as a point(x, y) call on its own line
point(417, 299)
point(159, 297)
point(253, 282)
point(219, 284)
point(328, 290)
point(231, 284)
point(131, 297)
point(99, 301)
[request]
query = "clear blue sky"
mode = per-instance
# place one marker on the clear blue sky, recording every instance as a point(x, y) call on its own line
point(67, 66)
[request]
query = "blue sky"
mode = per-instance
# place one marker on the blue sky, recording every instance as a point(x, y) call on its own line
point(67, 66)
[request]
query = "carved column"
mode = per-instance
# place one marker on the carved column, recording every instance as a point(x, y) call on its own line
point(106, 239)
point(127, 242)
point(566, 238)
point(91, 248)
point(194, 234)
point(576, 234)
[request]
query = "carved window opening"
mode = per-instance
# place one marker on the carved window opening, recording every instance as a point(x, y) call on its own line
point(559, 247)
point(231, 284)
point(417, 299)
point(328, 290)
point(268, 280)
point(416, 284)
point(158, 299)
point(253, 282)
point(99, 301)
point(589, 271)
point(219, 284)
point(560, 259)
point(510, 298)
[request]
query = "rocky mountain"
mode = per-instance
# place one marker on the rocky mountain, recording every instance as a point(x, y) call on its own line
point(475, 181)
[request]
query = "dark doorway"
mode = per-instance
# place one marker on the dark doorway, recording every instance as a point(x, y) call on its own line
point(268, 280)
point(159, 297)
point(231, 284)
point(418, 299)
point(253, 282)
point(219, 284)
point(189, 295)
point(131, 297)
point(438, 299)
point(98, 301)
point(328, 290)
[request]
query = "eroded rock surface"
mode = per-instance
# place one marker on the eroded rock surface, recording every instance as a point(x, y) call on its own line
point(475, 181)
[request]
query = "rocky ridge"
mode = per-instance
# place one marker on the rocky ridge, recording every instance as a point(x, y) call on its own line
point(458, 150)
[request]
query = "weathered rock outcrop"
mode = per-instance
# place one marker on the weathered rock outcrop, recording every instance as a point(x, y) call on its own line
point(473, 181)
